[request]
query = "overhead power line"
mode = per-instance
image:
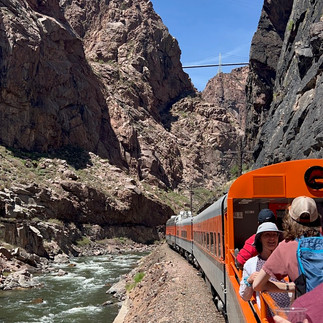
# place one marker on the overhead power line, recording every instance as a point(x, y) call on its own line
point(215, 65)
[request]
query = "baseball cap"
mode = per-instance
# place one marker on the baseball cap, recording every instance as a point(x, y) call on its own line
point(267, 227)
point(304, 211)
point(266, 215)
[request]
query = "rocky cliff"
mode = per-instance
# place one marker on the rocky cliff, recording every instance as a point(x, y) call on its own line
point(229, 90)
point(99, 123)
point(285, 91)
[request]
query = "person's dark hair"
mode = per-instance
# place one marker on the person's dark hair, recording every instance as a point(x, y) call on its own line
point(294, 230)
point(258, 245)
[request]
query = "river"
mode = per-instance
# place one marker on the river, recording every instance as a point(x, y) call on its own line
point(75, 297)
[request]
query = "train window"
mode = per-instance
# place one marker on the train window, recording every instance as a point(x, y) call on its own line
point(177, 232)
point(208, 241)
point(211, 242)
point(215, 245)
point(219, 244)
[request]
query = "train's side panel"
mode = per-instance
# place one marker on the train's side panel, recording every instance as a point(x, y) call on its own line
point(171, 231)
point(233, 304)
point(208, 247)
point(184, 244)
point(213, 270)
point(184, 234)
point(171, 240)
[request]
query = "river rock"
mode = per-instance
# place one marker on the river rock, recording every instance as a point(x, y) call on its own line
point(37, 301)
point(61, 272)
point(118, 290)
point(62, 259)
point(5, 252)
point(19, 279)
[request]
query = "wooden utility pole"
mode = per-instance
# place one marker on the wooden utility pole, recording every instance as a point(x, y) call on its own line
point(191, 198)
point(240, 155)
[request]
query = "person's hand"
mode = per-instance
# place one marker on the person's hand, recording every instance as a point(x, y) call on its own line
point(279, 319)
point(252, 277)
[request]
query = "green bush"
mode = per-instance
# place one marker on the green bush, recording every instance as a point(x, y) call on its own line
point(290, 25)
point(137, 279)
point(83, 242)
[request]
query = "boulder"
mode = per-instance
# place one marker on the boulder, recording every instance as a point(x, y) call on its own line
point(19, 279)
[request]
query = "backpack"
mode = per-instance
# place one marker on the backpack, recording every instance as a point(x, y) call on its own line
point(310, 264)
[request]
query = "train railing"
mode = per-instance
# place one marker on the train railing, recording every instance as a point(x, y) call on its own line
point(267, 304)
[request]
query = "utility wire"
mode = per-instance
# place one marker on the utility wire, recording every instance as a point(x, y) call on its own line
point(214, 65)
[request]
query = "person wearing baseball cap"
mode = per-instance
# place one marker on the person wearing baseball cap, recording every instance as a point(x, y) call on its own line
point(303, 210)
point(248, 250)
point(301, 220)
point(266, 215)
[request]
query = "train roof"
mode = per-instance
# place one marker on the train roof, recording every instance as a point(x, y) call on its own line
point(183, 218)
point(213, 210)
point(286, 180)
point(171, 220)
point(184, 221)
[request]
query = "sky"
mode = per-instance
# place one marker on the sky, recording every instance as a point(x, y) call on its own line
point(209, 29)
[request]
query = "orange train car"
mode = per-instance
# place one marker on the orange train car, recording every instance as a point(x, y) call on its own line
point(212, 236)
point(179, 233)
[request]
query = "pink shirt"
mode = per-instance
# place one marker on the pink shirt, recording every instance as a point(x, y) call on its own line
point(312, 301)
point(283, 261)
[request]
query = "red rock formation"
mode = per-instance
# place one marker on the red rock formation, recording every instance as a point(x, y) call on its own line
point(228, 90)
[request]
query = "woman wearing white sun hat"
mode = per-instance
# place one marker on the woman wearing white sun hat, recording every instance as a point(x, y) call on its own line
point(266, 241)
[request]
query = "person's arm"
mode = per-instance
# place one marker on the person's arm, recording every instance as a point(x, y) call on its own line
point(246, 289)
point(262, 283)
point(248, 275)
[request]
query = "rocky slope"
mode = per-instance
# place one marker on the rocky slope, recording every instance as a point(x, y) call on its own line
point(171, 291)
point(285, 83)
point(100, 126)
